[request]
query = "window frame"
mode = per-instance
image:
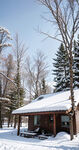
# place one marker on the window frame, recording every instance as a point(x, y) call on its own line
point(36, 120)
point(51, 118)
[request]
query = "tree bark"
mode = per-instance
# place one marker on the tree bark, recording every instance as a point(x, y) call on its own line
point(72, 94)
point(19, 122)
point(15, 122)
point(9, 118)
point(71, 128)
point(0, 116)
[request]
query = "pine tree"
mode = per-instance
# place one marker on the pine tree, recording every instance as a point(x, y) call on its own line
point(16, 96)
point(61, 71)
point(19, 91)
point(76, 63)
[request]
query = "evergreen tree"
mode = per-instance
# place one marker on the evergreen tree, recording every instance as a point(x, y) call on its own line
point(61, 71)
point(19, 92)
point(16, 96)
point(76, 63)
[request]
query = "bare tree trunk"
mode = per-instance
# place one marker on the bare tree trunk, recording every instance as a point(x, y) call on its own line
point(14, 122)
point(9, 118)
point(71, 127)
point(4, 92)
point(0, 116)
point(72, 94)
point(71, 79)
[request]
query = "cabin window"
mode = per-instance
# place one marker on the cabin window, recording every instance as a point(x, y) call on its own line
point(36, 120)
point(65, 121)
point(51, 118)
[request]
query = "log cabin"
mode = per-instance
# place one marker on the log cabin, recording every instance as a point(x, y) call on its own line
point(51, 113)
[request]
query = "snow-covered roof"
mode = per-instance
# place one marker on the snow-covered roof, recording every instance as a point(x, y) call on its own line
point(50, 102)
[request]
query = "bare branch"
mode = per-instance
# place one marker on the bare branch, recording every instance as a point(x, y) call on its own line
point(49, 36)
point(8, 78)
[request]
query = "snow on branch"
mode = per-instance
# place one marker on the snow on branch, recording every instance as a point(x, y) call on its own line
point(4, 99)
point(5, 45)
point(8, 79)
point(4, 38)
point(2, 29)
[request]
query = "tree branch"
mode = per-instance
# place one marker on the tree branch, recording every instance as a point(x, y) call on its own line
point(8, 78)
point(49, 36)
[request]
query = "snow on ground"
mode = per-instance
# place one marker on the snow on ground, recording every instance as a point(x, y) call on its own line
point(10, 141)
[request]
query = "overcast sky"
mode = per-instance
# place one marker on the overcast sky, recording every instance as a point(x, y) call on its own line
point(24, 16)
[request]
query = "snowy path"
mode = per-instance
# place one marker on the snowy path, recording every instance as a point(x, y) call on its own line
point(10, 141)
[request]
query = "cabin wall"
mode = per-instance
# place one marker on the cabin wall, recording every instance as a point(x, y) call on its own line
point(59, 127)
point(31, 123)
point(47, 124)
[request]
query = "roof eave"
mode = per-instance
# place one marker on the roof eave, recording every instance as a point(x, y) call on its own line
point(42, 113)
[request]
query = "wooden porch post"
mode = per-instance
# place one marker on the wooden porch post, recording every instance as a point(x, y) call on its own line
point(54, 124)
point(19, 121)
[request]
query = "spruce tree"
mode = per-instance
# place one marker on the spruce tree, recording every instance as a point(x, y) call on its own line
point(16, 96)
point(19, 91)
point(61, 71)
point(76, 63)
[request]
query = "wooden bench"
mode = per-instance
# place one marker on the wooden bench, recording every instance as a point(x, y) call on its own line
point(28, 134)
point(42, 137)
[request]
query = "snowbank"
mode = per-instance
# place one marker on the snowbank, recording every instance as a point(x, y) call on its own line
point(10, 141)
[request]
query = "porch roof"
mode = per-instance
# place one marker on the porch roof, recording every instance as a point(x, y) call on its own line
point(49, 103)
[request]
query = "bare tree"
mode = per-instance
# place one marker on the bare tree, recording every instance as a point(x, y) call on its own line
point(9, 67)
point(29, 76)
point(35, 72)
point(40, 71)
point(65, 16)
point(19, 51)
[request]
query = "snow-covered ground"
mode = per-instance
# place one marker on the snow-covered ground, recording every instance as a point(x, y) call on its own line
point(10, 141)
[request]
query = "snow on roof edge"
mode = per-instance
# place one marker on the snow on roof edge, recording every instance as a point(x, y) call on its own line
point(50, 102)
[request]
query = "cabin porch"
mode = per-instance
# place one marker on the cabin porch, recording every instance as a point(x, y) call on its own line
point(49, 122)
